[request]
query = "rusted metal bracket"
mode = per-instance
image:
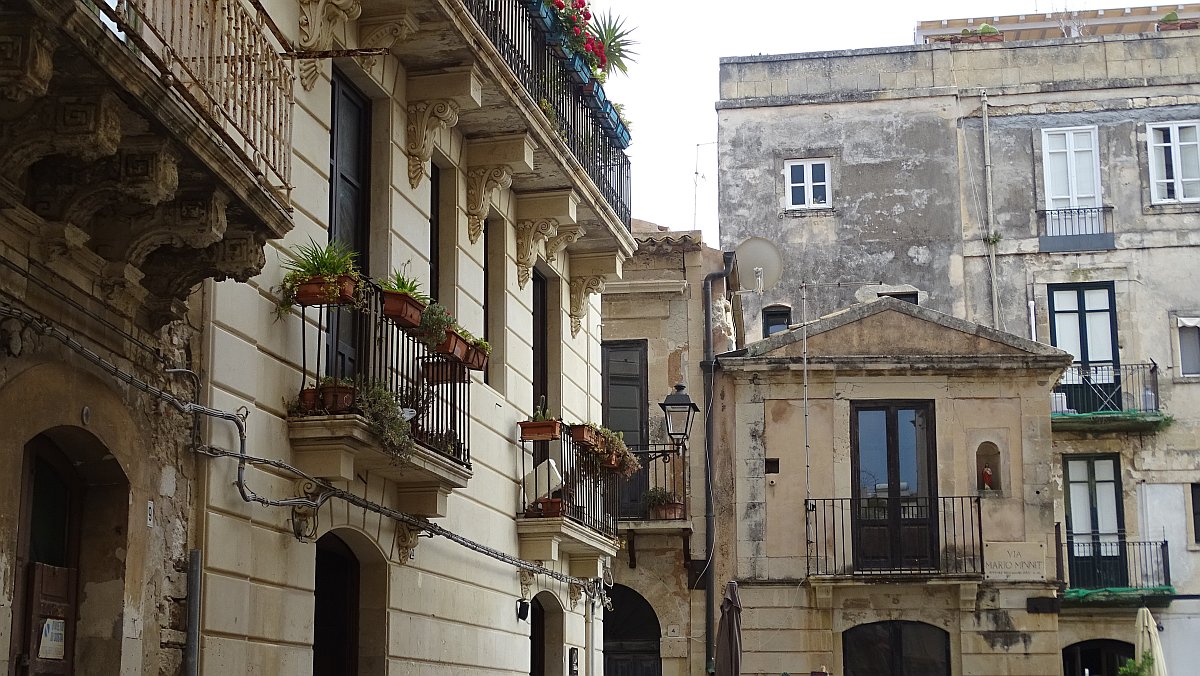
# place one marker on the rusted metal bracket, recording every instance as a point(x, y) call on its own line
point(336, 53)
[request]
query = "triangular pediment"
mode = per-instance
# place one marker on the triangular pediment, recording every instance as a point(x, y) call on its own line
point(892, 328)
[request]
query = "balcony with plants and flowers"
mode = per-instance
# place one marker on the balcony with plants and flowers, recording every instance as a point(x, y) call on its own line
point(384, 384)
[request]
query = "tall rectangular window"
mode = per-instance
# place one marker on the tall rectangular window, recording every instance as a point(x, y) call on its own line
point(1071, 162)
point(1196, 513)
point(807, 183)
point(1083, 321)
point(349, 215)
point(435, 230)
point(1174, 162)
point(626, 394)
point(1189, 346)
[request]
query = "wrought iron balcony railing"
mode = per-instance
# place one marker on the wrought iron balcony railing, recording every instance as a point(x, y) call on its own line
point(228, 60)
point(894, 536)
point(661, 476)
point(511, 30)
point(1105, 388)
point(1110, 561)
point(1078, 221)
point(565, 479)
point(361, 346)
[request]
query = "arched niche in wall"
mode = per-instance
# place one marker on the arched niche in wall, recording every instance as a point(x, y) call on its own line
point(989, 469)
point(631, 635)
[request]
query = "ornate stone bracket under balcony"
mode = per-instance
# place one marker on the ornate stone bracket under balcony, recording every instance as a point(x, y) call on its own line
point(340, 447)
point(562, 539)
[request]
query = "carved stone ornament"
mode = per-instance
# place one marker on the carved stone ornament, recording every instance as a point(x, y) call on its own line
point(386, 35)
point(481, 183)
point(317, 21)
point(529, 234)
point(406, 540)
point(26, 58)
point(575, 593)
point(83, 125)
point(581, 288)
point(526, 583)
point(425, 119)
point(567, 235)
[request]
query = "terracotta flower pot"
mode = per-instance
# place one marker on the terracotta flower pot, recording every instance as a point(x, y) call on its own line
point(337, 398)
point(671, 510)
point(404, 310)
point(477, 359)
point(585, 436)
point(316, 291)
point(442, 372)
point(540, 430)
point(308, 400)
point(545, 507)
point(454, 346)
point(611, 461)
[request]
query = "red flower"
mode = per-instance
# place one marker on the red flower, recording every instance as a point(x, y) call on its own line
point(577, 31)
point(587, 15)
point(560, 4)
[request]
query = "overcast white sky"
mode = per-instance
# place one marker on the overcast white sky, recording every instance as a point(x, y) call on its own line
point(670, 93)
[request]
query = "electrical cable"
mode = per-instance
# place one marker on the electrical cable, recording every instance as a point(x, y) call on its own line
point(593, 588)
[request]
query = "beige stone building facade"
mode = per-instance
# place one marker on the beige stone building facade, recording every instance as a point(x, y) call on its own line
point(1041, 187)
point(171, 507)
point(654, 324)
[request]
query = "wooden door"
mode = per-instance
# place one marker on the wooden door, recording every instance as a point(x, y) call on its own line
point(50, 647)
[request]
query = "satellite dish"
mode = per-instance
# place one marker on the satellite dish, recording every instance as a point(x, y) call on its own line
point(760, 264)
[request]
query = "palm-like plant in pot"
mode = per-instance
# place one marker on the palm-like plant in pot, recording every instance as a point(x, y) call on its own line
point(403, 300)
point(320, 275)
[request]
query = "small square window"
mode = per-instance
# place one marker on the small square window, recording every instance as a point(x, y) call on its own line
point(808, 185)
point(776, 319)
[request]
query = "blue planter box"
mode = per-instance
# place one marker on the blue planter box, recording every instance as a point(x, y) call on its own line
point(557, 42)
point(577, 69)
point(621, 137)
point(608, 117)
point(593, 94)
point(543, 19)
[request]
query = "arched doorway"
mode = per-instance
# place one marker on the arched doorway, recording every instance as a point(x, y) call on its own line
point(546, 636)
point(897, 648)
point(350, 606)
point(631, 635)
point(70, 576)
point(1098, 657)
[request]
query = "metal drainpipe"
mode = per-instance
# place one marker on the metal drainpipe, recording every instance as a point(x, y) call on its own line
point(191, 648)
point(987, 201)
point(707, 366)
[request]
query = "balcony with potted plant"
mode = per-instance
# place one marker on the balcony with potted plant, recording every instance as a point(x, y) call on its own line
point(569, 497)
point(382, 397)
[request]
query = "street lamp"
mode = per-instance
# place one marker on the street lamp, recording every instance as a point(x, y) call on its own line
point(681, 413)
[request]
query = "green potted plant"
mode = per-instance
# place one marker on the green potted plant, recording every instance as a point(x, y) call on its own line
point(306, 403)
point(541, 426)
point(663, 504)
point(614, 446)
point(384, 412)
point(985, 33)
point(403, 300)
point(336, 395)
point(1172, 22)
point(320, 275)
point(478, 350)
point(437, 331)
point(628, 464)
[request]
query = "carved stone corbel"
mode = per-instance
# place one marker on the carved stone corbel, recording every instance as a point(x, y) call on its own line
point(172, 272)
point(26, 57)
point(317, 21)
point(83, 126)
point(581, 288)
point(193, 220)
point(526, 583)
point(481, 183)
point(529, 234)
point(386, 35)
point(406, 541)
point(425, 119)
point(575, 594)
point(567, 235)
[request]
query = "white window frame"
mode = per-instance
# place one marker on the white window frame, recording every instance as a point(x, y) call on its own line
point(808, 184)
point(1173, 147)
point(1069, 132)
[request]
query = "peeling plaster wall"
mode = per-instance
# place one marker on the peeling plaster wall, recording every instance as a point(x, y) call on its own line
point(844, 105)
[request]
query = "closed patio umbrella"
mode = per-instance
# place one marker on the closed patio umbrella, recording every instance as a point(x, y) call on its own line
point(729, 633)
point(1148, 642)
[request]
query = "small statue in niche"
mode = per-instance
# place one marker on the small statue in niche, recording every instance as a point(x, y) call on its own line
point(987, 477)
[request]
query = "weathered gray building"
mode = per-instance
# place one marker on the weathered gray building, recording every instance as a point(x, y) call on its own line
point(1046, 188)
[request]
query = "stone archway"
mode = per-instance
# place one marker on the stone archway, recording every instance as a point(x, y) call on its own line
point(631, 635)
point(1097, 657)
point(350, 606)
point(547, 635)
